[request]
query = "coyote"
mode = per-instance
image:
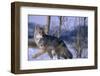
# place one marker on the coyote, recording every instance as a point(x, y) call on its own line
point(50, 44)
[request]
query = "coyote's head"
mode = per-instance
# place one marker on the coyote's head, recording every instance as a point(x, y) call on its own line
point(38, 34)
point(39, 30)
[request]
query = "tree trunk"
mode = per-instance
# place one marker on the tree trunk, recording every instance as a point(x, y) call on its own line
point(78, 45)
point(48, 25)
point(60, 25)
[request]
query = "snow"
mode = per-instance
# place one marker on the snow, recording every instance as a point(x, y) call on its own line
point(32, 51)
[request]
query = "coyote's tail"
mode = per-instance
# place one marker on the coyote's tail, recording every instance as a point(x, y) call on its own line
point(67, 54)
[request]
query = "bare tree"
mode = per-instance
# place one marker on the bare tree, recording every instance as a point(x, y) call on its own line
point(65, 23)
point(78, 41)
point(60, 25)
point(80, 37)
point(47, 27)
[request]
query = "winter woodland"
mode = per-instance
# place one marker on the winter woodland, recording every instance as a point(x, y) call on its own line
point(73, 30)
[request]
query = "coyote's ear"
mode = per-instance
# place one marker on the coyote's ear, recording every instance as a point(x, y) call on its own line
point(36, 27)
point(46, 29)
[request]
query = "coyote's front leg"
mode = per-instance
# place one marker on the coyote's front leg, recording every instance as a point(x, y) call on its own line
point(39, 53)
point(50, 54)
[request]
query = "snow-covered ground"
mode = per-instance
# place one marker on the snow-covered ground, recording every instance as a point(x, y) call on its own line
point(32, 51)
point(45, 56)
